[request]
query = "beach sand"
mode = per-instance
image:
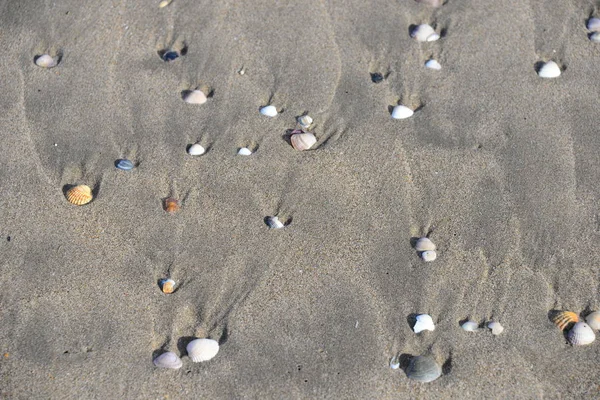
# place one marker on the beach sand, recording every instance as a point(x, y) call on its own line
point(500, 166)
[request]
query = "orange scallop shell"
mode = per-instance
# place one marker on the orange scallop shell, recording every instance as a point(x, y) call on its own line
point(171, 205)
point(80, 195)
point(563, 319)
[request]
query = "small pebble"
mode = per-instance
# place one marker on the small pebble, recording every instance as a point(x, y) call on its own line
point(170, 55)
point(433, 64)
point(124, 164)
point(376, 77)
point(196, 150)
point(269, 111)
point(496, 328)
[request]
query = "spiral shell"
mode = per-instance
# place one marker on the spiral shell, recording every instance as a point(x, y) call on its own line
point(171, 205)
point(202, 349)
point(563, 319)
point(80, 195)
point(167, 286)
point(581, 334)
point(302, 140)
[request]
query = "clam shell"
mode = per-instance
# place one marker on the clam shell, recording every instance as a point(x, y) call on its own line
point(125, 165)
point(424, 323)
point(563, 319)
point(305, 121)
point(428, 256)
point(431, 3)
point(168, 360)
point(595, 37)
point(581, 334)
point(269, 111)
point(274, 223)
point(244, 151)
point(549, 70)
point(80, 195)
point(164, 3)
point(46, 61)
point(423, 369)
point(402, 112)
point(593, 320)
point(196, 150)
point(167, 286)
point(593, 24)
point(171, 205)
point(193, 96)
point(424, 33)
point(470, 326)
point(303, 141)
point(495, 327)
point(433, 64)
point(200, 350)
point(170, 55)
point(395, 362)
point(424, 244)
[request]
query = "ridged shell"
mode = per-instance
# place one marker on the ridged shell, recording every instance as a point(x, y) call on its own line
point(423, 369)
point(200, 350)
point(563, 319)
point(402, 112)
point(124, 164)
point(429, 255)
point(171, 205)
point(470, 326)
point(549, 70)
point(305, 121)
point(303, 141)
point(593, 320)
point(46, 61)
point(168, 360)
point(80, 195)
point(581, 334)
point(193, 96)
point(424, 244)
point(167, 286)
point(495, 327)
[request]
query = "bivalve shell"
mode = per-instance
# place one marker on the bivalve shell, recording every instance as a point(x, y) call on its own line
point(424, 323)
point(164, 3)
point(196, 150)
point(46, 61)
point(431, 3)
point(274, 223)
point(402, 112)
point(269, 111)
point(424, 33)
point(395, 362)
point(124, 164)
point(167, 286)
point(428, 256)
point(593, 24)
point(193, 96)
point(470, 326)
point(302, 140)
point(593, 320)
point(80, 195)
point(433, 64)
point(424, 244)
point(171, 205)
point(200, 350)
point(549, 70)
point(423, 369)
point(563, 319)
point(244, 151)
point(496, 328)
point(305, 121)
point(581, 334)
point(595, 37)
point(168, 360)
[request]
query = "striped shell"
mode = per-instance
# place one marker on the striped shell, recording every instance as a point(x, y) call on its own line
point(563, 319)
point(171, 205)
point(80, 195)
point(201, 350)
point(302, 140)
point(581, 334)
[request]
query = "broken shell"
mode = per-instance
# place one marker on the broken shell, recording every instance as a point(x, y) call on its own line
point(549, 70)
point(428, 256)
point(202, 349)
point(424, 33)
point(244, 151)
point(581, 334)
point(193, 96)
point(302, 140)
point(80, 195)
point(402, 112)
point(595, 37)
point(167, 286)
point(269, 111)
point(46, 61)
point(424, 323)
point(171, 205)
point(593, 320)
point(593, 24)
point(423, 369)
point(125, 165)
point(431, 3)
point(433, 64)
point(196, 150)
point(495, 327)
point(470, 326)
point(424, 244)
point(395, 362)
point(305, 121)
point(274, 223)
point(168, 360)
point(564, 318)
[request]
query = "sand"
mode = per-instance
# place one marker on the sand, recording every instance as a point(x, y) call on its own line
point(499, 166)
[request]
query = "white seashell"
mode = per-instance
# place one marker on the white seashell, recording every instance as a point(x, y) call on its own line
point(402, 112)
point(424, 323)
point(424, 244)
point(433, 37)
point(595, 37)
point(549, 70)
point(305, 121)
point(193, 96)
point(433, 64)
point(495, 327)
point(395, 362)
point(274, 223)
point(581, 334)
point(593, 24)
point(593, 320)
point(244, 151)
point(196, 150)
point(424, 33)
point(470, 326)
point(200, 350)
point(46, 61)
point(269, 111)
point(168, 360)
point(429, 256)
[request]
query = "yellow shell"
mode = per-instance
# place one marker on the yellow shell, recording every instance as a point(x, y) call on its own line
point(168, 286)
point(171, 205)
point(80, 195)
point(563, 319)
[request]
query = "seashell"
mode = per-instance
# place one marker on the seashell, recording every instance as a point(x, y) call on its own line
point(168, 360)
point(433, 64)
point(202, 349)
point(593, 320)
point(164, 3)
point(428, 256)
point(402, 112)
point(424, 33)
point(124, 164)
point(376, 77)
point(595, 37)
point(274, 223)
point(244, 151)
point(46, 61)
point(171, 205)
point(549, 70)
point(395, 362)
point(423, 369)
point(431, 3)
point(564, 318)
point(424, 323)
point(170, 55)
point(305, 121)
point(80, 195)
point(302, 140)
point(193, 96)
point(196, 150)
point(496, 328)
point(581, 334)
point(593, 24)
point(470, 326)
point(167, 286)
point(269, 111)
point(424, 244)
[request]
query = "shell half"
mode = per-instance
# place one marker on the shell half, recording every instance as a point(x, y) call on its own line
point(80, 195)
point(193, 96)
point(171, 205)
point(423, 369)
point(581, 334)
point(200, 350)
point(268, 111)
point(424, 323)
point(593, 320)
point(429, 256)
point(563, 319)
point(196, 150)
point(470, 326)
point(424, 244)
point(549, 70)
point(496, 328)
point(402, 112)
point(46, 61)
point(167, 286)
point(168, 360)
point(303, 140)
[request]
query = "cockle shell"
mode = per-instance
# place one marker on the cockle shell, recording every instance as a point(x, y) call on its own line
point(470, 326)
point(549, 70)
point(196, 150)
point(302, 140)
point(80, 195)
point(168, 360)
point(593, 320)
point(423, 369)
point(171, 205)
point(593, 24)
point(581, 334)
point(244, 151)
point(431, 3)
point(269, 111)
point(433, 64)
point(495, 327)
point(424, 323)
point(202, 349)
point(167, 286)
point(564, 318)
point(305, 121)
point(424, 33)
point(274, 223)
point(193, 96)
point(46, 61)
point(424, 244)
point(402, 112)
point(428, 256)
point(125, 165)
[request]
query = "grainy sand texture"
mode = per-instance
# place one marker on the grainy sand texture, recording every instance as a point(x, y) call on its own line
point(500, 167)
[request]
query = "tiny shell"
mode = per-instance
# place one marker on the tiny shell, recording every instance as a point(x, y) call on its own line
point(46, 61)
point(402, 112)
point(167, 286)
point(423, 369)
point(495, 327)
point(549, 70)
point(124, 164)
point(470, 326)
point(170, 55)
point(202, 349)
point(80, 195)
point(244, 151)
point(196, 150)
point(193, 96)
point(302, 140)
point(171, 205)
point(564, 318)
point(433, 64)
point(428, 256)
point(581, 334)
point(424, 323)
point(395, 362)
point(593, 320)
point(431, 3)
point(305, 121)
point(593, 24)
point(168, 360)
point(424, 244)
point(274, 223)
point(424, 33)
point(269, 111)
point(164, 3)
point(595, 37)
